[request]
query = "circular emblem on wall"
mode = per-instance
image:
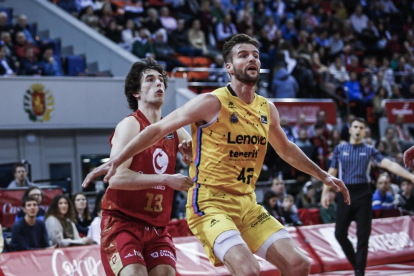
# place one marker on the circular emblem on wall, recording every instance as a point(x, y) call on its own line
point(38, 103)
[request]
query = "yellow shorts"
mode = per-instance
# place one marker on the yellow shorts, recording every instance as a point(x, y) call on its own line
point(210, 212)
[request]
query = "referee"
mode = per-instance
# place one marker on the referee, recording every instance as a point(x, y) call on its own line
point(352, 161)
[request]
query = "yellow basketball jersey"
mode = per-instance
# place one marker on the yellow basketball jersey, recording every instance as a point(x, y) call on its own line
point(229, 151)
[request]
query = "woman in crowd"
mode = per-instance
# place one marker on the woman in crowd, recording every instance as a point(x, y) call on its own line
point(83, 215)
point(95, 229)
point(60, 226)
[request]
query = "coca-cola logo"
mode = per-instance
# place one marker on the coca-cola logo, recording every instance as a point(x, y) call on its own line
point(86, 267)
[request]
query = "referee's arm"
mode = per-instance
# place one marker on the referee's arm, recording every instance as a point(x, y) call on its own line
point(395, 168)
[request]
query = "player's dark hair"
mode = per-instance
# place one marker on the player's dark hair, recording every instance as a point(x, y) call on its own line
point(133, 79)
point(235, 40)
point(359, 119)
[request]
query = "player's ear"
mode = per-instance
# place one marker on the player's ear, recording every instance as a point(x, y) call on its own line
point(137, 95)
point(229, 68)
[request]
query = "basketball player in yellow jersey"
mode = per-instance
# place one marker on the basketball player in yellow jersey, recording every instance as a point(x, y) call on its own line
point(231, 128)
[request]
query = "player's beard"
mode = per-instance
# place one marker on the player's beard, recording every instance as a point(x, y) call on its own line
point(245, 78)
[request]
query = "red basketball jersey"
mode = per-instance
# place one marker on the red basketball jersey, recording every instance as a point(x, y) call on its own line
point(152, 206)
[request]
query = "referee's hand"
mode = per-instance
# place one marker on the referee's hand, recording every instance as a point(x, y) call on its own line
point(339, 186)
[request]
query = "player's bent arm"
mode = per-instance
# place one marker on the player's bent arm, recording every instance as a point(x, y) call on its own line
point(202, 108)
point(124, 178)
point(396, 169)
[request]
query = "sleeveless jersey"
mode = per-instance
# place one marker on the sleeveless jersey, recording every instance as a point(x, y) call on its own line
point(229, 151)
point(152, 206)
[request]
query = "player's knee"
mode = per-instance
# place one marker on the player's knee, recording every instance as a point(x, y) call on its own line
point(300, 267)
point(249, 268)
point(166, 270)
point(133, 270)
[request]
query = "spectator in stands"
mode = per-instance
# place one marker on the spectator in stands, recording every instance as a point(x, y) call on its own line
point(50, 64)
point(218, 12)
point(359, 20)
point(321, 119)
point(69, 6)
point(106, 17)
point(289, 31)
point(271, 28)
point(152, 22)
point(283, 84)
point(225, 29)
point(113, 32)
point(401, 130)
point(388, 6)
point(346, 126)
point(168, 22)
point(303, 75)
point(129, 34)
point(366, 90)
point(354, 66)
point(6, 40)
point(36, 193)
point(302, 139)
point(134, 9)
point(179, 40)
point(278, 187)
point(197, 37)
point(391, 142)
point(329, 215)
point(94, 231)
point(164, 52)
point(300, 124)
point(409, 43)
point(306, 197)
point(4, 27)
point(377, 102)
point(82, 4)
point(20, 177)
point(289, 211)
point(218, 63)
point(21, 26)
point(336, 44)
point(284, 123)
point(338, 71)
point(271, 205)
point(319, 141)
point(355, 96)
point(142, 46)
point(381, 200)
point(90, 18)
point(30, 232)
point(22, 44)
point(379, 81)
point(83, 215)
point(405, 199)
point(60, 226)
point(30, 65)
point(6, 64)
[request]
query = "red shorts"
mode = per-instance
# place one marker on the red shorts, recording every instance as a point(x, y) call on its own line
point(127, 242)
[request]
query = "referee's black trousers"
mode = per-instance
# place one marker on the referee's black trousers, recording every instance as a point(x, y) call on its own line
point(360, 210)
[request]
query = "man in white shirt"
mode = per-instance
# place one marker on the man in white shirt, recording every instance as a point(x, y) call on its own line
point(6, 66)
point(359, 20)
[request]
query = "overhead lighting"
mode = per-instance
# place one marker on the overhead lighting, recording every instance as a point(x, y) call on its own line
point(104, 160)
point(86, 160)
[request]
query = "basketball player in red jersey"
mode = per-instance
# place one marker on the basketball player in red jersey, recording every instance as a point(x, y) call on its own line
point(138, 202)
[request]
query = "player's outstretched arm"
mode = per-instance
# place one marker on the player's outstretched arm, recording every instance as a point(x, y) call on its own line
point(396, 169)
point(202, 108)
point(126, 179)
point(409, 158)
point(293, 155)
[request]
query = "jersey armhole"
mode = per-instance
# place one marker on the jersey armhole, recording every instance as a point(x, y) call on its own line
point(211, 122)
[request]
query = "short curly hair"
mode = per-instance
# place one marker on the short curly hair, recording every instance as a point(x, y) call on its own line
point(235, 40)
point(133, 79)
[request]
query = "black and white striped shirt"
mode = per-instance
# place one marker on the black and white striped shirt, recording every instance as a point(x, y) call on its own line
point(353, 162)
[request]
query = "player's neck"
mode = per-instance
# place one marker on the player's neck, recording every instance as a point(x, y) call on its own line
point(355, 141)
point(243, 91)
point(153, 114)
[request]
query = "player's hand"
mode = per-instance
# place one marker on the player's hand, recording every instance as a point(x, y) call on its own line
point(185, 148)
point(338, 185)
point(409, 158)
point(325, 200)
point(109, 168)
point(179, 182)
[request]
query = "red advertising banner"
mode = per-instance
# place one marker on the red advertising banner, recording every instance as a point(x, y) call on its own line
point(391, 241)
point(71, 261)
point(11, 203)
point(291, 108)
point(400, 107)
